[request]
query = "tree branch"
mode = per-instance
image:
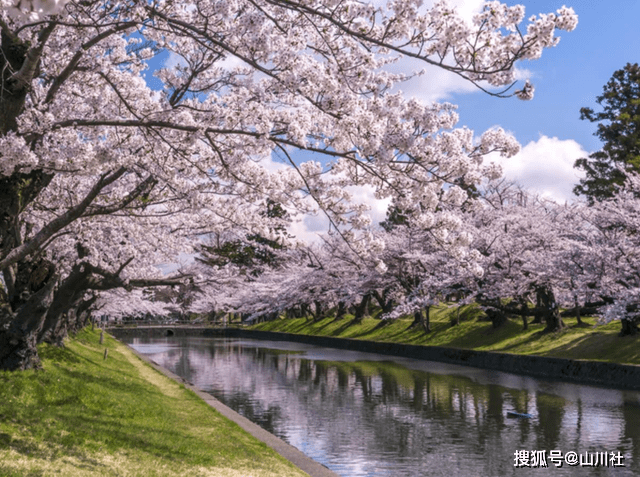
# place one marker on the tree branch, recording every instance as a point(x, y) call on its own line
point(29, 247)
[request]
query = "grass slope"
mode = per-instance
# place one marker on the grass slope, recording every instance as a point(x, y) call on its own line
point(589, 342)
point(83, 415)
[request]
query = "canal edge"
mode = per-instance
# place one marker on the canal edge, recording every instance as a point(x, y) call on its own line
point(289, 452)
point(585, 372)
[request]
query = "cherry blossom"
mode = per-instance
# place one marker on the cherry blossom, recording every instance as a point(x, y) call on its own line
point(103, 177)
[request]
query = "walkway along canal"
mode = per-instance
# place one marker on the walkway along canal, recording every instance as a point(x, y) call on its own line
point(364, 414)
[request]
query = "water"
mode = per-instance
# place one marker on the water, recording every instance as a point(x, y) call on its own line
point(364, 414)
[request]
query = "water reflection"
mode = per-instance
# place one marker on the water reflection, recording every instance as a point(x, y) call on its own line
point(363, 415)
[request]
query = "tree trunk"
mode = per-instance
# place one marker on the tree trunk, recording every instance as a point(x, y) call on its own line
point(422, 319)
point(319, 313)
point(341, 310)
point(524, 312)
point(417, 318)
point(495, 313)
point(69, 295)
point(550, 309)
point(497, 317)
point(538, 312)
point(386, 305)
point(19, 334)
point(575, 298)
point(426, 323)
point(629, 327)
point(362, 309)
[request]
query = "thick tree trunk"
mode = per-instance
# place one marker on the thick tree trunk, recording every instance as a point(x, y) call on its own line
point(549, 309)
point(82, 314)
point(68, 295)
point(362, 309)
point(319, 311)
point(386, 305)
point(341, 310)
point(497, 316)
point(629, 327)
point(19, 334)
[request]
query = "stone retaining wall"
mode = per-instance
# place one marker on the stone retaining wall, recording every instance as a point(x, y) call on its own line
point(579, 371)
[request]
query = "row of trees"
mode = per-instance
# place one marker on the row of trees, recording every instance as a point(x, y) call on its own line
point(106, 172)
point(508, 250)
point(511, 252)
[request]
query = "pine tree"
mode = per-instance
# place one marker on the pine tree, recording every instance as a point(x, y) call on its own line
point(619, 129)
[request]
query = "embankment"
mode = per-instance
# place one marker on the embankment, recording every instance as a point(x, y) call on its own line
point(598, 373)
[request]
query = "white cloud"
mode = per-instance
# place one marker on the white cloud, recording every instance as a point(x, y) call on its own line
point(545, 166)
point(366, 195)
point(309, 228)
point(433, 85)
point(465, 8)
point(436, 84)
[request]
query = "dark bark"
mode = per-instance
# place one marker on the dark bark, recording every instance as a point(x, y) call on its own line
point(426, 324)
point(548, 309)
point(495, 310)
point(362, 309)
point(524, 312)
point(14, 52)
point(19, 335)
point(629, 327)
point(341, 310)
point(497, 316)
point(319, 311)
point(386, 304)
point(44, 313)
point(69, 294)
point(417, 318)
point(422, 318)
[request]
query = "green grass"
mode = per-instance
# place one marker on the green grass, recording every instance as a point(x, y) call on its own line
point(82, 415)
point(588, 342)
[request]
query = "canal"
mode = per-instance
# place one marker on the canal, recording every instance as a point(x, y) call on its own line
point(363, 414)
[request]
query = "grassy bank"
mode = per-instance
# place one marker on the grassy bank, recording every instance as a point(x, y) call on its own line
point(83, 415)
point(589, 342)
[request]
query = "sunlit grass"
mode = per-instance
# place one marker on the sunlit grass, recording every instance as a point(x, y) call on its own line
point(588, 342)
point(83, 415)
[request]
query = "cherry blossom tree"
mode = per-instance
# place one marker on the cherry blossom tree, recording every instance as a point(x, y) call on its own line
point(95, 160)
point(612, 265)
point(522, 239)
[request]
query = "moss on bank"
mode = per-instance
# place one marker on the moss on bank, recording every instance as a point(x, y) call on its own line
point(589, 342)
point(83, 415)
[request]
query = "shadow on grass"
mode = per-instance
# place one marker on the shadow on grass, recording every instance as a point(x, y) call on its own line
point(58, 354)
point(338, 331)
point(599, 346)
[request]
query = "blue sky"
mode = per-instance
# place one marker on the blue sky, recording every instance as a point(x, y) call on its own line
point(567, 77)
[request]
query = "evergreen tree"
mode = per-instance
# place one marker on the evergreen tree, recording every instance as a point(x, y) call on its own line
point(253, 252)
point(619, 129)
